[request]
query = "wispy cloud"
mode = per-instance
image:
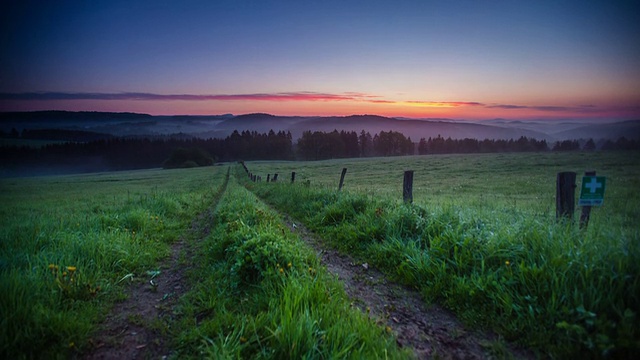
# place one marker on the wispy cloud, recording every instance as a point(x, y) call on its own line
point(539, 108)
point(289, 97)
point(444, 103)
point(283, 96)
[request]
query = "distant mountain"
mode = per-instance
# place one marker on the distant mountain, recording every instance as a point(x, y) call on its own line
point(629, 129)
point(416, 129)
point(258, 122)
point(56, 115)
point(220, 126)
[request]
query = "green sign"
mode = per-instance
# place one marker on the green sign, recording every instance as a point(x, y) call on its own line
point(592, 192)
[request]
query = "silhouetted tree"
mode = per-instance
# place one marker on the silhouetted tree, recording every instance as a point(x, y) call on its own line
point(590, 145)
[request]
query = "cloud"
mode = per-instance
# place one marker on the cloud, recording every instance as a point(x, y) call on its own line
point(298, 96)
point(284, 96)
point(581, 108)
point(445, 103)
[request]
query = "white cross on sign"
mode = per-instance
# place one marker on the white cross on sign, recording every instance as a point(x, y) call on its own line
point(592, 191)
point(593, 185)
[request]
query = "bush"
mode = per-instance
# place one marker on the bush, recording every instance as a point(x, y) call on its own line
point(188, 158)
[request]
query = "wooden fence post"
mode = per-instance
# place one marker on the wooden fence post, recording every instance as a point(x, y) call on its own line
point(268, 177)
point(344, 172)
point(586, 210)
point(275, 177)
point(407, 187)
point(293, 176)
point(565, 194)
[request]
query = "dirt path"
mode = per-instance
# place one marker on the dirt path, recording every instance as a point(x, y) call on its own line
point(138, 327)
point(430, 331)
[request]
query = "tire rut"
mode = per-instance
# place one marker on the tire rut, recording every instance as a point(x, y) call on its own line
point(429, 330)
point(137, 328)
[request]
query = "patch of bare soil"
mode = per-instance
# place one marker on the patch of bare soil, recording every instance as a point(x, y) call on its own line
point(429, 330)
point(136, 328)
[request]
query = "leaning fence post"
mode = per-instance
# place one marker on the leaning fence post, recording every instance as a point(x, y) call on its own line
point(407, 187)
point(565, 194)
point(268, 177)
point(293, 176)
point(586, 210)
point(344, 172)
point(275, 177)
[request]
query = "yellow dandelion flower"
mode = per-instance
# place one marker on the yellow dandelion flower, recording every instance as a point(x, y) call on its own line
point(52, 266)
point(243, 339)
point(64, 273)
point(71, 268)
point(388, 328)
point(507, 263)
point(289, 265)
point(281, 270)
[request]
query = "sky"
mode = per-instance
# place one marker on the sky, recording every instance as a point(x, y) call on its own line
point(472, 60)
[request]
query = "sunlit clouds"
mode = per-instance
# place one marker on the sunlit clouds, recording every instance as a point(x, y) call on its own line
point(303, 103)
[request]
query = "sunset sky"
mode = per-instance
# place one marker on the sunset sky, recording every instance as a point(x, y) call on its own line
point(422, 59)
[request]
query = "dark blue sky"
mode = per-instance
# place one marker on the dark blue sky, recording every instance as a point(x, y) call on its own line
point(464, 59)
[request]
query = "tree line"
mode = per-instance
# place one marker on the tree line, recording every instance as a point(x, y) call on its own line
point(114, 153)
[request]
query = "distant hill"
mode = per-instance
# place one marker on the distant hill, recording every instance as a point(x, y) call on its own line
point(55, 115)
point(416, 129)
point(629, 129)
point(220, 126)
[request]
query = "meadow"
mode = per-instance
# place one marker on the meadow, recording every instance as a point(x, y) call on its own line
point(481, 239)
point(495, 185)
point(70, 244)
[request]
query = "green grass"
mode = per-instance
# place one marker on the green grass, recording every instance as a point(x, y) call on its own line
point(493, 183)
point(482, 240)
point(259, 292)
point(106, 226)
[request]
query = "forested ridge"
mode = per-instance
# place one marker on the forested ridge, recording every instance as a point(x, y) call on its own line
point(92, 152)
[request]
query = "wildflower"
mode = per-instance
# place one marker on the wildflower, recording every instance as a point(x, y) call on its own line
point(64, 273)
point(289, 265)
point(388, 328)
point(72, 344)
point(281, 270)
point(507, 263)
point(243, 339)
point(71, 268)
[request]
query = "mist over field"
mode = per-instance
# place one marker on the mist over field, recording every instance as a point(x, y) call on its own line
point(220, 126)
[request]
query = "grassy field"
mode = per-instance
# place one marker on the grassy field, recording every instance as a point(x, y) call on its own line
point(482, 239)
point(70, 245)
point(66, 243)
point(260, 292)
point(497, 185)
